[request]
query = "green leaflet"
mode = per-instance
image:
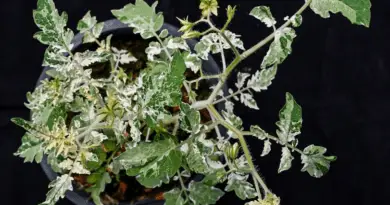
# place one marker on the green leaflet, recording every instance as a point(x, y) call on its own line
point(314, 161)
point(142, 17)
point(161, 169)
point(88, 58)
point(51, 115)
point(103, 178)
point(357, 11)
point(86, 23)
point(215, 177)
point(58, 187)
point(202, 194)
point(196, 160)
point(280, 48)
point(263, 13)
point(169, 81)
point(90, 28)
point(143, 153)
point(262, 79)
point(31, 149)
point(239, 184)
point(52, 25)
point(290, 122)
point(54, 58)
point(190, 117)
point(258, 132)
point(173, 197)
point(285, 161)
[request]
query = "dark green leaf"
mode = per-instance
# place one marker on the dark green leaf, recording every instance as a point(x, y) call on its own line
point(202, 194)
point(190, 117)
point(99, 187)
point(173, 197)
point(290, 122)
point(357, 11)
point(161, 169)
point(143, 153)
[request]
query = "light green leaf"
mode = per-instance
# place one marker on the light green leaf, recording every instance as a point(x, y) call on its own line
point(196, 160)
point(161, 169)
point(58, 187)
point(285, 161)
point(190, 118)
point(247, 100)
point(88, 58)
point(357, 11)
point(173, 197)
point(280, 48)
point(314, 161)
point(269, 199)
point(142, 17)
point(86, 23)
point(215, 177)
point(258, 132)
point(192, 61)
point(143, 153)
point(31, 149)
point(94, 139)
point(267, 148)
point(239, 184)
point(241, 79)
point(99, 186)
point(290, 122)
point(263, 13)
point(164, 33)
point(262, 79)
point(202, 194)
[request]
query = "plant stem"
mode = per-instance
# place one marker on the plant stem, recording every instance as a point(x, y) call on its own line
point(260, 44)
point(247, 133)
point(182, 184)
point(231, 95)
point(244, 147)
point(257, 187)
point(162, 45)
point(202, 104)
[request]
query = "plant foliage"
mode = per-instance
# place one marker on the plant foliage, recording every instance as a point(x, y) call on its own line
point(124, 123)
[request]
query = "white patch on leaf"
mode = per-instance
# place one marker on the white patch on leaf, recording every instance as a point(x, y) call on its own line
point(285, 161)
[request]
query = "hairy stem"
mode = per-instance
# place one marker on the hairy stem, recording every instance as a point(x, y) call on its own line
point(183, 187)
point(244, 147)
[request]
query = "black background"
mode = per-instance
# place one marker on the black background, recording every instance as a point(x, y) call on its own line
point(338, 72)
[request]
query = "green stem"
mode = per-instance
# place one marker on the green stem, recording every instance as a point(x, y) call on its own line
point(257, 187)
point(260, 44)
point(202, 104)
point(244, 147)
point(182, 184)
point(247, 133)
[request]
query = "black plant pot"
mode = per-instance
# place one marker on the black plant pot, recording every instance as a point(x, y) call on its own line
point(116, 27)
